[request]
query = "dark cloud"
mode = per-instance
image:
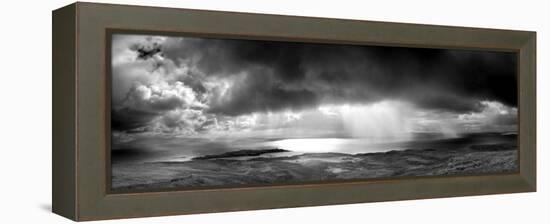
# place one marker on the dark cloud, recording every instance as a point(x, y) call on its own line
point(199, 84)
point(146, 51)
point(127, 119)
point(259, 93)
point(287, 75)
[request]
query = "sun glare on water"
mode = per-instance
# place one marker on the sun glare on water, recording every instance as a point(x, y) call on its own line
point(310, 145)
point(363, 125)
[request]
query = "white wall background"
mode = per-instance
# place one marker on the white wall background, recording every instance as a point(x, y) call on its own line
point(25, 114)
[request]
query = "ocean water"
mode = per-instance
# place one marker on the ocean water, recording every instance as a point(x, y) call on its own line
point(153, 150)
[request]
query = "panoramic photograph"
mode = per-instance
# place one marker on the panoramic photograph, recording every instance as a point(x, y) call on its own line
point(218, 112)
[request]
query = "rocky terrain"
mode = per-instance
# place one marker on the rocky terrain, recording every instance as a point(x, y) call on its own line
point(230, 169)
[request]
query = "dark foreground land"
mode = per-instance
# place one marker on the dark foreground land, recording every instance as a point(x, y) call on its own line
point(244, 167)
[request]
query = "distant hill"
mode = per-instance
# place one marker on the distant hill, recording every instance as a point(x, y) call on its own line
point(240, 153)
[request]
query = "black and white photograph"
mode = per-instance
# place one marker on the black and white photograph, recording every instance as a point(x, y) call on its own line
point(191, 111)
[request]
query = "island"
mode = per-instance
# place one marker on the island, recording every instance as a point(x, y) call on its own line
point(240, 153)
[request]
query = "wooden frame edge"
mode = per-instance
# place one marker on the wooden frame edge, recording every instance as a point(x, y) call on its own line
point(64, 189)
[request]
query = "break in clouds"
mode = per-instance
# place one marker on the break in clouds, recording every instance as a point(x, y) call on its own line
point(198, 87)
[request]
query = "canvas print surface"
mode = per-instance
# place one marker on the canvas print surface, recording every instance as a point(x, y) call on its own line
point(213, 112)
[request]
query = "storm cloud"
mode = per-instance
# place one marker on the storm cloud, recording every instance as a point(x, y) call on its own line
point(189, 85)
point(308, 74)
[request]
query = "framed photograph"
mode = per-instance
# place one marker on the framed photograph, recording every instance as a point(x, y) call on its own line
point(203, 111)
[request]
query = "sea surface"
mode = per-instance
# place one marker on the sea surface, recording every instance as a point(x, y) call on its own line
point(184, 149)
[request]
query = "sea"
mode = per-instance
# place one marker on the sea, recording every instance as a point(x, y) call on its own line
point(184, 149)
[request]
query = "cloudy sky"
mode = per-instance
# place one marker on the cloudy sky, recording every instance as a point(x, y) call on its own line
point(207, 88)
